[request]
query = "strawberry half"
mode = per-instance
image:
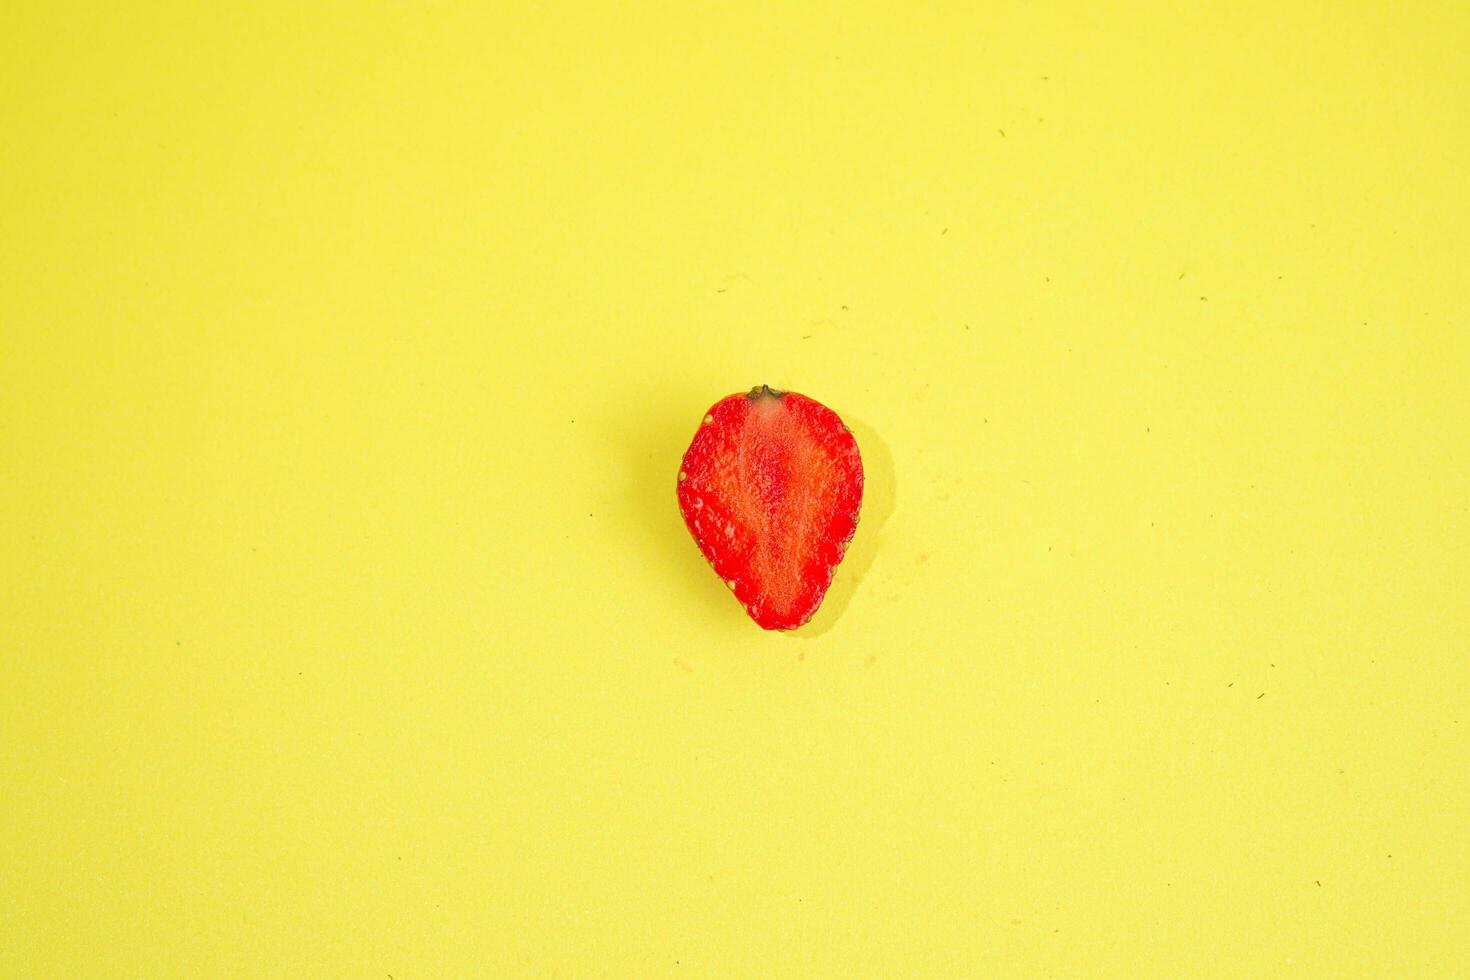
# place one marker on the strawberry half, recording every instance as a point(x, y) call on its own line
point(770, 488)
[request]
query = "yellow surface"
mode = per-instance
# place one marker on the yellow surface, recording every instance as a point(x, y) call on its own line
point(349, 628)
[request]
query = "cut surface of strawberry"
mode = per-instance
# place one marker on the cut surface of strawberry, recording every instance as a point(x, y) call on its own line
point(770, 488)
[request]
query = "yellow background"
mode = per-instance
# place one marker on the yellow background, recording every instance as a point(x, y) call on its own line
point(349, 628)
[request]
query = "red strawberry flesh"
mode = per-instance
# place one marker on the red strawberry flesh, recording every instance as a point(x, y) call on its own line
point(770, 488)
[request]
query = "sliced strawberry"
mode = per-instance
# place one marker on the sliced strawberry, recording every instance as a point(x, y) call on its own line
point(770, 489)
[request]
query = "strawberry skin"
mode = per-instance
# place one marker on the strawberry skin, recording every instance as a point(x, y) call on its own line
point(770, 488)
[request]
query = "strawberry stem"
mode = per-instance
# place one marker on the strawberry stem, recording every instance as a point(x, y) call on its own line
point(765, 391)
